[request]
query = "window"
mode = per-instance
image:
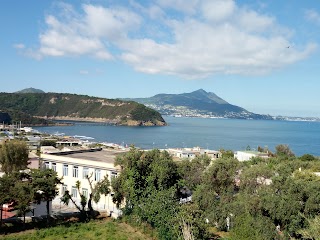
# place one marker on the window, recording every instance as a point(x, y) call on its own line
point(75, 171)
point(74, 192)
point(47, 165)
point(85, 172)
point(54, 167)
point(64, 189)
point(85, 192)
point(114, 175)
point(65, 170)
point(97, 175)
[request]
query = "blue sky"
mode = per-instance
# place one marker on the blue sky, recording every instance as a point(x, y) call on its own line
point(260, 55)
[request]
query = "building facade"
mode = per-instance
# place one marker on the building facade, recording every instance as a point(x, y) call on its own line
point(77, 166)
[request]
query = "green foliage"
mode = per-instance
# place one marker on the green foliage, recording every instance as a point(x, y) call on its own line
point(7, 182)
point(192, 216)
point(5, 118)
point(148, 183)
point(25, 105)
point(44, 184)
point(247, 226)
point(101, 187)
point(22, 188)
point(283, 151)
point(95, 230)
point(22, 194)
point(221, 175)
point(312, 231)
point(159, 210)
point(143, 172)
point(255, 177)
point(192, 170)
point(226, 153)
point(262, 198)
point(13, 156)
point(307, 157)
point(142, 113)
point(25, 118)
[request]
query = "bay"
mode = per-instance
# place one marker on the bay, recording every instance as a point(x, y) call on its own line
point(233, 134)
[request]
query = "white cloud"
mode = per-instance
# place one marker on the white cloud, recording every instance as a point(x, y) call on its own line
point(112, 24)
point(208, 37)
point(19, 46)
point(251, 21)
point(218, 10)
point(62, 39)
point(313, 16)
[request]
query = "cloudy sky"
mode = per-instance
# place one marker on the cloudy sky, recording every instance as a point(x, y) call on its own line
point(260, 55)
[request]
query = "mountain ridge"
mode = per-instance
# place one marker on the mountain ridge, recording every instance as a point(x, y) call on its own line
point(30, 90)
point(199, 103)
point(55, 106)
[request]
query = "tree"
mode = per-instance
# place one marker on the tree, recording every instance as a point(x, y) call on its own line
point(142, 173)
point(7, 182)
point(226, 153)
point(44, 184)
point(192, 171)
point(148, 186)
point(307, 157)
point(221, 175)
point(101, 187)
point(13, 156)
point(251, 227)
point(313, 230)
point(255, 177)
point(192, 222)
point(21, 193)
point(284, 151)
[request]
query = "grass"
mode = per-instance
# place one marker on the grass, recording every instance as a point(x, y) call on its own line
point(95, 229)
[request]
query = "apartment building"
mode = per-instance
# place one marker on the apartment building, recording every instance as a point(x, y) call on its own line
point(77, 165)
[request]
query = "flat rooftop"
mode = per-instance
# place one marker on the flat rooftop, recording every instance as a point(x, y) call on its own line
point(104, 155)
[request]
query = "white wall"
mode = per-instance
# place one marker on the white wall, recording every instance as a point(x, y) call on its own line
point(246, 156)
point(69, 181)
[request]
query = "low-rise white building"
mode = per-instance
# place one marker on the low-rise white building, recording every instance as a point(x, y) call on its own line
point(182, 153)
point(247, 155)
point(191, 153)
point(77, 165)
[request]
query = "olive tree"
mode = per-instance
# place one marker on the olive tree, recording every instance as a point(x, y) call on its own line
point(13, 156)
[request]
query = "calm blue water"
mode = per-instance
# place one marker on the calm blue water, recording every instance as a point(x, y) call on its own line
point(302, 137)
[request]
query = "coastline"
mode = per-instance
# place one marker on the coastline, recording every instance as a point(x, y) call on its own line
point(116, 122)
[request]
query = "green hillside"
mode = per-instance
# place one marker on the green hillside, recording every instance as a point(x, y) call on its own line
point(80, 108)
point(10, 116)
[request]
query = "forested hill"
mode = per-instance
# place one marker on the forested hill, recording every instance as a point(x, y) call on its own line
point(63, 106)
point(196, 104)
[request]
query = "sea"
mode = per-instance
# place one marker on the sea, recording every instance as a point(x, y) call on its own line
point(211, 133)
